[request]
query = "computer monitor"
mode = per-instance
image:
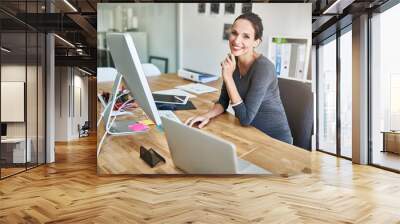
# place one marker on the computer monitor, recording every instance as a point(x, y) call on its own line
point(3, 129)
point(128, 64)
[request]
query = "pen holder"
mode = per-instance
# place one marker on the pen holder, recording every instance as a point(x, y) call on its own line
point(151, 157)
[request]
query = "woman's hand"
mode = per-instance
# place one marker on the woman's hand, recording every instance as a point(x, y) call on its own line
point(228, 66)
point(202, 120)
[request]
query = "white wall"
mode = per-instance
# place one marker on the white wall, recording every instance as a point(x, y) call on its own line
point(80, 83)
point(12, 73)
point(33, 126)
point(67, 80)
point(202, 46)
point(61, 103)
point(157, 20)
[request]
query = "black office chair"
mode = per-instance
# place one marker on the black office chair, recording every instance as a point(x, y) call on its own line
point(84, 130)
point(156, 61)
point(297, 99)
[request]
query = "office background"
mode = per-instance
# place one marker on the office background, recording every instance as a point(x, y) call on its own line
point(193, 40)
point(364, 193)
point(201, 44)
point(22, 79)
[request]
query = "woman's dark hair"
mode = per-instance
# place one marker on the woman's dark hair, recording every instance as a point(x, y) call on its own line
point(255, 20)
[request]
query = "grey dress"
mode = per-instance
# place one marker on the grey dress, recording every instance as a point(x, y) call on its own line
point(262, 106)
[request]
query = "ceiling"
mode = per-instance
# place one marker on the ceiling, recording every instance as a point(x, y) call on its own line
point(330, 16)
point(74, 21)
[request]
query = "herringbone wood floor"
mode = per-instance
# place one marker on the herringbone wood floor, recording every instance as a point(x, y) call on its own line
point(69, 191)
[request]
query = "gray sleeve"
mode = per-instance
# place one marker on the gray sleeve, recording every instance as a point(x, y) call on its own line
point(224, 97)
point(262, 78)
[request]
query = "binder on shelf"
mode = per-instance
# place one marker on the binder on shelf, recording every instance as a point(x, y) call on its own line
point(196, 76)
point(286, 50)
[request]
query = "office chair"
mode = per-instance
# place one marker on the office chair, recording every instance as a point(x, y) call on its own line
point(297, 99)
point(84, 130)
point(156, 60)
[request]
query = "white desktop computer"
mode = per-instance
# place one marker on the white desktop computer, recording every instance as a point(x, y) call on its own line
point(128, 64)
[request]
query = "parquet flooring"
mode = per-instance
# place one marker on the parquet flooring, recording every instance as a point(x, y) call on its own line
point(386, 159)
point(7, 171)
point(69, 191)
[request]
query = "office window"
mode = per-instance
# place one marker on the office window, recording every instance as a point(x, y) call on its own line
point(385, 89)
point(346, 94)
point(22, 91)
point(13, 79)
point(327, 96)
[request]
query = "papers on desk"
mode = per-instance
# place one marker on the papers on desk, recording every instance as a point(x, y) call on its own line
point(197, 88)
point(176, 92)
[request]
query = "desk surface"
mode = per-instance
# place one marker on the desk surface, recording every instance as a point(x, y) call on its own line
point(14, 140)
point(120, 154)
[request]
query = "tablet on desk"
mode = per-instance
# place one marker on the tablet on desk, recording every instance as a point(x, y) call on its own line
point(171, 99)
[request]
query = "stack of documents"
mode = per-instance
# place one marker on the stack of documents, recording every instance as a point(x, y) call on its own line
point(197, 88)
point(177, 92)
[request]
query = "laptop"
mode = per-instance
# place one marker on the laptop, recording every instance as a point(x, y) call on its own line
point(198, 152)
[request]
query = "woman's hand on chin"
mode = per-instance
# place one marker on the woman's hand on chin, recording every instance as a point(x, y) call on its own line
point(228, 66)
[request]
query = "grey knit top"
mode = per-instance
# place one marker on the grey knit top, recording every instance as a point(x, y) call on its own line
point(262, 106)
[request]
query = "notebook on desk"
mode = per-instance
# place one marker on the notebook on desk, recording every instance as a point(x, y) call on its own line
point(166, 106)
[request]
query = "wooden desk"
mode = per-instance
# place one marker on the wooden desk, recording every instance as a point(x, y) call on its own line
point(120, 154)
point(13, 150)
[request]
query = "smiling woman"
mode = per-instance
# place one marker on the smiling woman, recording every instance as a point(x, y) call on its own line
point(250, 84)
